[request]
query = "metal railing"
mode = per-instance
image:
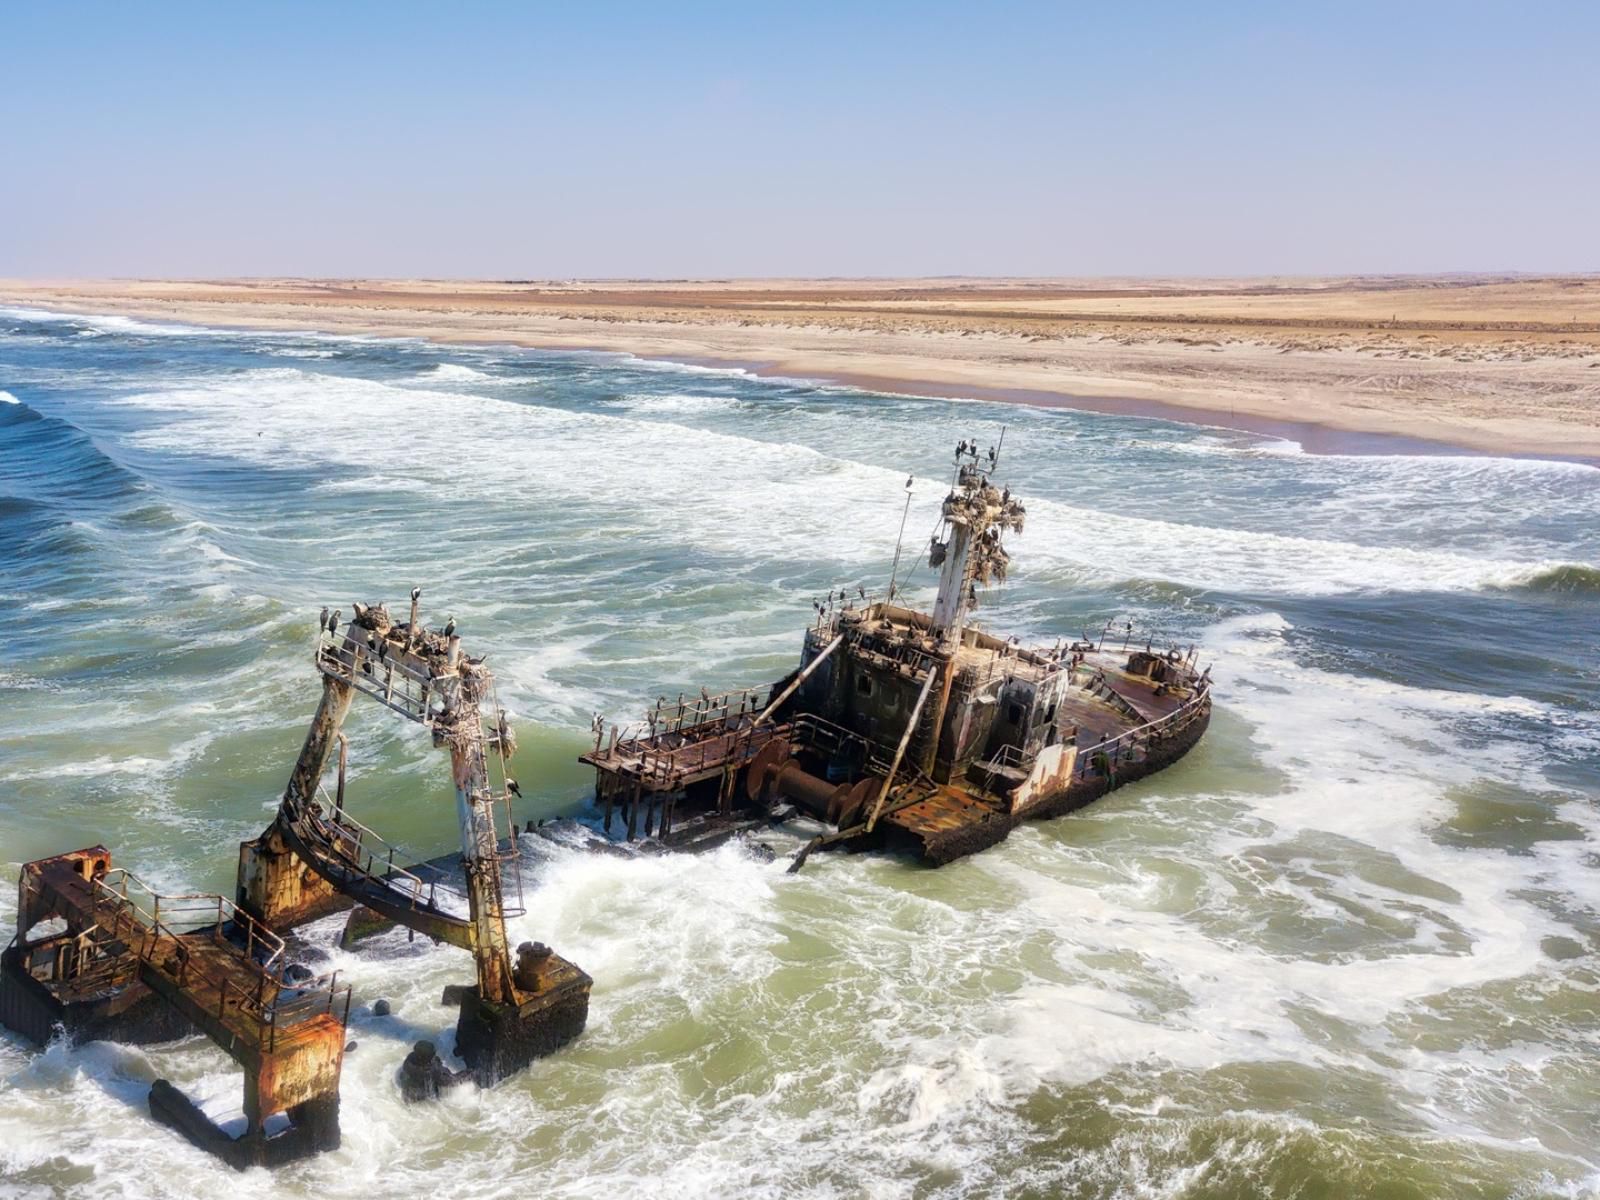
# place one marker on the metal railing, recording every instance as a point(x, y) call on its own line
point(164, 925)
point(687, 718)
point(368, 853)
point(1123, 745)
point(387, 680)
point(829, 615)
point(1128, 636)
point(180, 914)
point(733, 745)
point(1010, 757)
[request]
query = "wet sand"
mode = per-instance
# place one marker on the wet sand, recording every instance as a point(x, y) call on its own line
point(1506, 365)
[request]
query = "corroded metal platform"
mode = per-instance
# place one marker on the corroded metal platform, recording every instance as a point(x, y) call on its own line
point(95, 942)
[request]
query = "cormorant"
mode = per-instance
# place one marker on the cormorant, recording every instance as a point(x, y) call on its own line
point(333, 624)
point(322, 624)
point(416, 594)
point(450, 627)
point(511, 786)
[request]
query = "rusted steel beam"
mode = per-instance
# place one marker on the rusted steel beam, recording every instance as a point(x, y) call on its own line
point(900, 751)
point(798, 680)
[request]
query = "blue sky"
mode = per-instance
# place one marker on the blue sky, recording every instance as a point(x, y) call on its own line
point(529, 140)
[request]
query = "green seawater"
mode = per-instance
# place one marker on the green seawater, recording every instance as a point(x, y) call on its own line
point(1348, 947)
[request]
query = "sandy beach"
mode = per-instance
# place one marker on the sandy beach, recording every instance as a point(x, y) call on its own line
point(1502, 364)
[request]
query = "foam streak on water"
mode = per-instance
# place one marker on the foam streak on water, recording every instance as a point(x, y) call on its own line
point(1350, 945)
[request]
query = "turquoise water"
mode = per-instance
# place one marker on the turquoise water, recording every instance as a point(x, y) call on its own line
point(1349, 946)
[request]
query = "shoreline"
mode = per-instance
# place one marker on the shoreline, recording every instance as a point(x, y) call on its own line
point(1308, 395)
point(1312, 437)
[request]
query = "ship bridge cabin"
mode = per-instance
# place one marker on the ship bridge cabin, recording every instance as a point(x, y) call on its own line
point(1003, 705)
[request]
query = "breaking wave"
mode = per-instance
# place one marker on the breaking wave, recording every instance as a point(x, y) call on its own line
point(453, 373)
point(697, 482)
point(1562, 578)
point(676, 404)
point(97, 324)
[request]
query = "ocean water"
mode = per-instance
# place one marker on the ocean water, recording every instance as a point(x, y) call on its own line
point(1350, 946)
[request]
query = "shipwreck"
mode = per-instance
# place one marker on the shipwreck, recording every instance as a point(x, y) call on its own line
point(99, 953)
point(909, 730)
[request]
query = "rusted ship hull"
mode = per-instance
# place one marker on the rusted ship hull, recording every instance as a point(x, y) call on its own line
point(937, 847)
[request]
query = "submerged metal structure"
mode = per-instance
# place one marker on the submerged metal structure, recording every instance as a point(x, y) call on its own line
point(315, 857)
point(100, 954)
point(907, 729)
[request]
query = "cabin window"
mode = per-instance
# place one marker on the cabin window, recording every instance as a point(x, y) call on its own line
point(1050, 714)
point(864, 684)
point(1014, 714)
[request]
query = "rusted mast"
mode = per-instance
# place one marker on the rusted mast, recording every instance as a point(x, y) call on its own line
point(461, 728)
point(975, 514)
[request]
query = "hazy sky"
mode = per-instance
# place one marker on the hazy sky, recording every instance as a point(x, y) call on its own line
point(521, 140)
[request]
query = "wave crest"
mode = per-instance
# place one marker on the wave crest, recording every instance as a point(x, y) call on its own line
point(1562, 578)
